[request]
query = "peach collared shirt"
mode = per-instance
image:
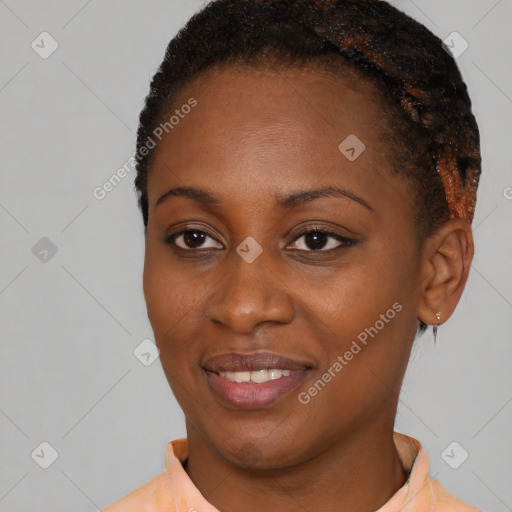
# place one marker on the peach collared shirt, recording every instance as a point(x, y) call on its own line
point(173, 491)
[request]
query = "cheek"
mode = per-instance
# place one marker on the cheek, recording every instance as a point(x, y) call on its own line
point(169, 292)
point(366, 312)
point(175, 296)
point(349, 298)
point(170, 298)
point(363, 337)
point(175, 299)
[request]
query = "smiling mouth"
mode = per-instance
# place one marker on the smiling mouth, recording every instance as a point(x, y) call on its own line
point(235, 391)
point(257, 376)
point(253, 381)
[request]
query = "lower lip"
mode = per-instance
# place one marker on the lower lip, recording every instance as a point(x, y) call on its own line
point(247, 395)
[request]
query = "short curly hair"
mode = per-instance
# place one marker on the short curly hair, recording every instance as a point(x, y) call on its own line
point(428, 121)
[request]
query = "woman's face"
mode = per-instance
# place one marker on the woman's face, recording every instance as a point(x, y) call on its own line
point(248, 283)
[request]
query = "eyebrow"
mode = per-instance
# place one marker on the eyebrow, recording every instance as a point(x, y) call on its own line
point(288, 201)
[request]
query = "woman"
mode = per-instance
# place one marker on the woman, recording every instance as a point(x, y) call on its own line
point(307, 174)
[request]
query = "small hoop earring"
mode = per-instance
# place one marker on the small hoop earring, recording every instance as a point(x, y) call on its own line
point(434, 329)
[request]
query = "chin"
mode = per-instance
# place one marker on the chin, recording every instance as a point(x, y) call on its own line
point(258, 454)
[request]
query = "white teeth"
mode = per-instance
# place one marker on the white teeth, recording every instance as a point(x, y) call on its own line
point(242, 376)
point(275, 374)
point(257, 376)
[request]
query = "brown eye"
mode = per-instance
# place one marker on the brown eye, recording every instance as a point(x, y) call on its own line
point(192, 239)
point(321, 240)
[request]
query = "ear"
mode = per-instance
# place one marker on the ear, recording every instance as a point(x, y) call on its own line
point(446, 260)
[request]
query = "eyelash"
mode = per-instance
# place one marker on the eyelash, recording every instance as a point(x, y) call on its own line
point(344, 241)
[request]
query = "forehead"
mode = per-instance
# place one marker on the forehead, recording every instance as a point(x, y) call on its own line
point(268, 130)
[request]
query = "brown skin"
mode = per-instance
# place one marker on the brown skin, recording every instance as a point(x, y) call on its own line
point(254, 135)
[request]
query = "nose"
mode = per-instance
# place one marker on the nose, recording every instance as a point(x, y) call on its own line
point(249, 294)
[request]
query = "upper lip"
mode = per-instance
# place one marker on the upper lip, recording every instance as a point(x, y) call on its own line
point(238, 362)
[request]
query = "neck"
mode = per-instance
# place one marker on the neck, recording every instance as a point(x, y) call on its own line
point(358, 473)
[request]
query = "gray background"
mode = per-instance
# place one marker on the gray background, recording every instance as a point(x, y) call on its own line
point(70, 323)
